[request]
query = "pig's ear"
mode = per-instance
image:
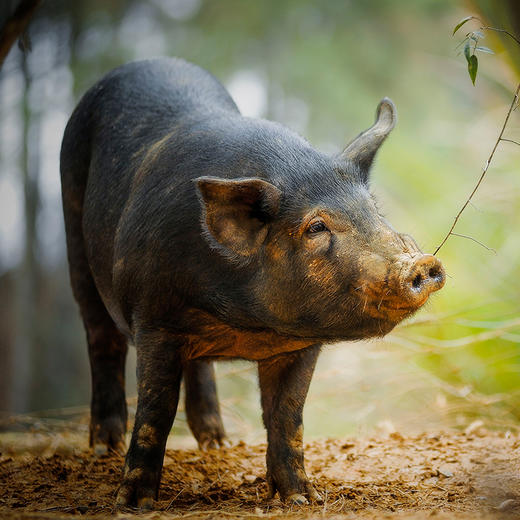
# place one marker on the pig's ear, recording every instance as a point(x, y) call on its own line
point(236, 213)
point(363, 148)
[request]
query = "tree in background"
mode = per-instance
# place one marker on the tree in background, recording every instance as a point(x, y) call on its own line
point(14, 18)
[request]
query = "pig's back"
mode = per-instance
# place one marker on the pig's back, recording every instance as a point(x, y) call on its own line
point(121, 135)
point(154, 92)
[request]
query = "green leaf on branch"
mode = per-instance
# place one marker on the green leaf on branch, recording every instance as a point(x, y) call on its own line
point(467, 50)
point(476, 35)
point(473, 67)
point(462, 22)
point(484, 49)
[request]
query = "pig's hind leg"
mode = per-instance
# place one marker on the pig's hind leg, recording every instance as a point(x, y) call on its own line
point(107, 350)
point(284, 382)
point(107, 347)
point(202, 407)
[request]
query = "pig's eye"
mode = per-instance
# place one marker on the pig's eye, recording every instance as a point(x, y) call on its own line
point(317, 226)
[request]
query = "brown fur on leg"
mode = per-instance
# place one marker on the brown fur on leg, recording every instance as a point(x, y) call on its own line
point(284, 382)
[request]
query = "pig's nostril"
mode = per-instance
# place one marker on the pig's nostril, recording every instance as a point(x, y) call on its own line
point(434, 273)
point(417, 281)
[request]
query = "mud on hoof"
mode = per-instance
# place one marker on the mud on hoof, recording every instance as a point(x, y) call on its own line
point(136, 491)
point(107, 435)
point(297, 500)
point(209, 432)
point(300, 497)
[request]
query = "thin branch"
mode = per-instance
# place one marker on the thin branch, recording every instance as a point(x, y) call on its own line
point(484, 171)
point(510, 141)
point(489, 28)
point(502, 31)
point(475, 240)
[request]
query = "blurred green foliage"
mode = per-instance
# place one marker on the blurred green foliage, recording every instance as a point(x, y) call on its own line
point(324, 66)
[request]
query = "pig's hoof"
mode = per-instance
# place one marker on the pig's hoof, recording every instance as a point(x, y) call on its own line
point(100, 449)
point(130, 495)
point(108, 436)
point(209, 432)
point(211, 439)
point(297, 500)
point(146, 503)
point(206, 444)
point(301, 496)
point(313, 494)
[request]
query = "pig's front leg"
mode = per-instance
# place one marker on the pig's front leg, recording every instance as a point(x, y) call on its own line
point(284, 381)
point(159, 372)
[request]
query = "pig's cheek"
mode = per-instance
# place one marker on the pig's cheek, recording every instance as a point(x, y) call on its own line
point(276, 252)
point(321, 273)
point(317, 244)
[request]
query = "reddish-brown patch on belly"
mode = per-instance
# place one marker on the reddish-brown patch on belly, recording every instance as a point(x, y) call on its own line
point(213, 338)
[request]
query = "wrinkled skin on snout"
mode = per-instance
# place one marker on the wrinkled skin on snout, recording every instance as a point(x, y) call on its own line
point(197, 234)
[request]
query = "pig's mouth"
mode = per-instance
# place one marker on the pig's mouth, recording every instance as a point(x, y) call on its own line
point(391, 311)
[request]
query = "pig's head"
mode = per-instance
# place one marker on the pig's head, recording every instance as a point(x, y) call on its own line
point(318, 258)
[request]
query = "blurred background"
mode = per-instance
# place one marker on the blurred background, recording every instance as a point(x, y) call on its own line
point(319, 68)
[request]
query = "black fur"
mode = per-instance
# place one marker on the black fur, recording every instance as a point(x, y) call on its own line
point(166, 251)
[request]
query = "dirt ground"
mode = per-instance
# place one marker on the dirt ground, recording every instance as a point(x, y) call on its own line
point(464, 475)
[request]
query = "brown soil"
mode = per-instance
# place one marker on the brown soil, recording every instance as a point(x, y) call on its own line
point(446, 475)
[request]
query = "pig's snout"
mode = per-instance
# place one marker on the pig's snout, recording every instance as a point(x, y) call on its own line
point(394, 289)
point(423, 276)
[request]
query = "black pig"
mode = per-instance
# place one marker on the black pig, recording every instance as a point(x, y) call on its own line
point(196, 234)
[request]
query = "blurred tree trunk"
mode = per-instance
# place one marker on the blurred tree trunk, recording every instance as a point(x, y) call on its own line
point(14, 19)
point(29, 276)
point(7, 319)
